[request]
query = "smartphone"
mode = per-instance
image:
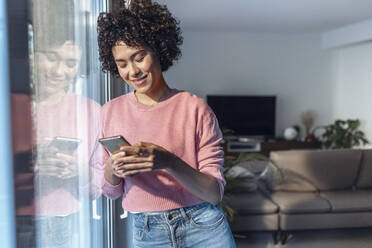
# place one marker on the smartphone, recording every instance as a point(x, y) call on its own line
point(65, 145)
point(113, 144)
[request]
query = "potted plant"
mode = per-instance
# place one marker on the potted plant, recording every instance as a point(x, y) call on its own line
point(255, 175)
point(343, 134)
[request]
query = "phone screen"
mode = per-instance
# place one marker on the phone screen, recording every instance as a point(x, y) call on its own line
point(114, 143)
point(65, 145)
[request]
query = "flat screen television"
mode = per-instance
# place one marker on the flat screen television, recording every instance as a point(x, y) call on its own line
point(246, 115)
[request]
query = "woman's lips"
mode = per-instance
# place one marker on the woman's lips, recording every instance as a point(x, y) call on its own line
point(140, 81)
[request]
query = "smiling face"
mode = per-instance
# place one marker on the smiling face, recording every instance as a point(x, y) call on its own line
point(139, 68)
point(56, 68)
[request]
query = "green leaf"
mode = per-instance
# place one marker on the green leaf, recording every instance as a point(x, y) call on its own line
point(228, 210)
point(343, 134)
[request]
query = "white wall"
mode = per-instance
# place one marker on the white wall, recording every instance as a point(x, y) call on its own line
point(353, 85)
point(293, 67)
point(347, 35)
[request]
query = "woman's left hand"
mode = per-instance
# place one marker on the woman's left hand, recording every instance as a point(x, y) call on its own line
point(58, 165)
point(147, 157)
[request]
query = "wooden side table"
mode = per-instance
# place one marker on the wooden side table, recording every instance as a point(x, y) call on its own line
point(282, 145)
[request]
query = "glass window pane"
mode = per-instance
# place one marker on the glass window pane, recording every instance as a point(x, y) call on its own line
point(6, 180)
point(56, 129)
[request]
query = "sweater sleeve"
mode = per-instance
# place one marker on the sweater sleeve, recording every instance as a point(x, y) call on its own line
point(210, 152)
point(109, 190)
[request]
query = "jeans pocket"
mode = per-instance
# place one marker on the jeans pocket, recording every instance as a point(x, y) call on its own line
point(207, 217)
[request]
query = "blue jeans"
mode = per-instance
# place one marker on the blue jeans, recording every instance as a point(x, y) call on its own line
point(47, 231)
point(57, 231)
point(199, 226)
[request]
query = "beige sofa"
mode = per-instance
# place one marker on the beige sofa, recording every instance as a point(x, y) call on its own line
point(320, 189)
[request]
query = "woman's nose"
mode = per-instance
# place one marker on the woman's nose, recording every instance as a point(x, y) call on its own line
point(134, 71)
point(58, 69)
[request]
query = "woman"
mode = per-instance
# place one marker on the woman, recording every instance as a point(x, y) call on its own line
point(52, 182)
point(171, 177)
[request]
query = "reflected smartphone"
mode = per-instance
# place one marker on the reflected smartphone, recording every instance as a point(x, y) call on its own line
point(64, 144)
point(113, 144)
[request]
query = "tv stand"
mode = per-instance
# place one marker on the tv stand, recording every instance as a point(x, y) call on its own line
point(233, 147)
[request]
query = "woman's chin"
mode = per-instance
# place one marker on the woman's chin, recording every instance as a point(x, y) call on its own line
point(142, 90)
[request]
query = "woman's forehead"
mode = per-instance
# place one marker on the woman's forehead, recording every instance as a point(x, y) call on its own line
point(67, 46)
point(122, 45)
point(68, 49)
point(123, 50)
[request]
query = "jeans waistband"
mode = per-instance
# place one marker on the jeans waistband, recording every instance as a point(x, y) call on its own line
point(185, 209)
point(170, 215)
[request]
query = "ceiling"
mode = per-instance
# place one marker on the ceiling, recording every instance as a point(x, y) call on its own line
point(283, 16)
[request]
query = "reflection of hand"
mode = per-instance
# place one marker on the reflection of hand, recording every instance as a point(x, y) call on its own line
point(142, 157)
point(50, 162)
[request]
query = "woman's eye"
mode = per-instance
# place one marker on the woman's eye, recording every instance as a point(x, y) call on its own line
point(51, 57)
point(140, 59)
point(122, 66)
point(71, 63)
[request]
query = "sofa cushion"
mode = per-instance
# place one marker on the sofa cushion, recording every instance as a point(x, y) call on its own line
point(300, 202)
point(251, 203)
point(349, 200)
point(325, 221)
point(317, 169)
point(365, 175)
point(246, 223)
point(288, 180)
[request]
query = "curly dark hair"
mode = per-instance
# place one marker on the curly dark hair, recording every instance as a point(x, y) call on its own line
point(144, 24)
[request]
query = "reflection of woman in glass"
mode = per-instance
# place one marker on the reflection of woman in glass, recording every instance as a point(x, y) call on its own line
point(57, 112)
point(61, 176)
point(171, 178)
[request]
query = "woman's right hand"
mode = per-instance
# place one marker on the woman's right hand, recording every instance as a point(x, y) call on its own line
point(110, 174)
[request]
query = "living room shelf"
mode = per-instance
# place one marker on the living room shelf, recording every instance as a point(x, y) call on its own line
point(279, 145)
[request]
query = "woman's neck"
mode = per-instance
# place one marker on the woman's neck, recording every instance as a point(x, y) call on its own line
point(155, 96)
point(50, 100)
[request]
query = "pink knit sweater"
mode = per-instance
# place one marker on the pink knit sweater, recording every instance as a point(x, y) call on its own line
point(185, 126)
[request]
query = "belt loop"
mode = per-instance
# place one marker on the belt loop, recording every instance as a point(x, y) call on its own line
point(183, 213)
point(146, 224)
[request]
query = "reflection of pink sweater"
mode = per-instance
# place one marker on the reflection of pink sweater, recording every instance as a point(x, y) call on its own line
point(184, 125)
point(75, 117)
